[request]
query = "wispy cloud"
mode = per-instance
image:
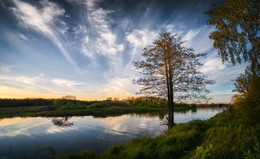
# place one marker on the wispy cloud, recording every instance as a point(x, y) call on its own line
point(212, 66)
point(38, 86)
point(198, 39)
point(29, 80)
point(141, 38)
point(65, 82)
point(99, 38)
point(44, 20)
point(26, 86)
point(5, 68)
point(117, 87)
point(138, 39)
point(22, 36)
point(190, 35)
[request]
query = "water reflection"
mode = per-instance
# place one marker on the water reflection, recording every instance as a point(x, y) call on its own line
point(193, 111)
point(160, 115)
point(185, 116)
point(45, 152)
point(62, 122)
point(5, 152)
point(75, 134)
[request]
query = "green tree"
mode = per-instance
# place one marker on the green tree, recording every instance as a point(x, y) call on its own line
point(69, 97)
point(248, 87)
point(242, 83)
point(237, 38)
point(236, 34)
point(170, 70)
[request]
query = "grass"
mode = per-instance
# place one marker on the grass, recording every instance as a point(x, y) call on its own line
point(230, 134)
point(234, 133)
point(96, 112)
point(97, 109)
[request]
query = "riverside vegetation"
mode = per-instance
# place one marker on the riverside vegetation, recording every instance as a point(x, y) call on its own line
point(234, 133)
point(66, 106)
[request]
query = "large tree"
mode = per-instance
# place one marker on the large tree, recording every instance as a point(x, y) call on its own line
point(169, 69)
point(236, 35)
point(237, 38)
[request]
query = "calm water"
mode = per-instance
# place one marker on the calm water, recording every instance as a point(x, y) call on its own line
point(19, 137)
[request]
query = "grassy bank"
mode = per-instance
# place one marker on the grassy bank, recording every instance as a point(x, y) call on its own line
point(231, 134)
point(64, 107)
point(96, 112)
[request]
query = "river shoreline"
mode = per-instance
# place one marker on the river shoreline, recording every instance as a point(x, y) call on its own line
point(56, 111)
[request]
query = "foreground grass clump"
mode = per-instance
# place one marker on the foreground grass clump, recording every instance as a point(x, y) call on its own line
point(228, 137)
point(231, 134)
point(184, 137)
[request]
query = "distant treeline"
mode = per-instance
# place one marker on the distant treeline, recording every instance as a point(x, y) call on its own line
point(25, 102)
point(70, 101)
point(5, 102)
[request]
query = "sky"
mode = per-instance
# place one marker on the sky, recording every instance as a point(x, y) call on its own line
point(86, 48)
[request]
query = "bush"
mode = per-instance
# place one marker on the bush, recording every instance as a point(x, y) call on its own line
point(83, 155)
point(229, 142)
point(98, 105)
point(107, 104)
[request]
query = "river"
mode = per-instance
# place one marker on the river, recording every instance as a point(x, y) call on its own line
point(38, 137)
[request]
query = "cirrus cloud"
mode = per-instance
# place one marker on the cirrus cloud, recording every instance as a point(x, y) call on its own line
point(65, 82)
point(44, 20)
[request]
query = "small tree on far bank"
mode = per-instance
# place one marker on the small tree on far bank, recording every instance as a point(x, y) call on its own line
point(69, 97)
point(170, 70)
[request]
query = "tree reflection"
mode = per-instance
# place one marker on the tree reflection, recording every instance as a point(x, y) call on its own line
point(5, 152)
point(160, 115)
point(62, 122)
point(193, 111)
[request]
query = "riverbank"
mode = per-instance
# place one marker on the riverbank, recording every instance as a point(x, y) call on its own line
point(231, 134)
point(97, 112)
point(54, 111)
point(61, 108)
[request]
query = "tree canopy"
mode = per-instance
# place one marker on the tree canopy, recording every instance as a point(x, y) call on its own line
point(237, 37)
point(242, 83)
point(169, 69)
point(236, 34)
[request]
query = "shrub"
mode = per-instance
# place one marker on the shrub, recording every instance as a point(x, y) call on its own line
point(107, 104)
point(83, 155)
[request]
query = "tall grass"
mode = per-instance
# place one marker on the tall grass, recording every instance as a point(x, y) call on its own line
point(230, 134)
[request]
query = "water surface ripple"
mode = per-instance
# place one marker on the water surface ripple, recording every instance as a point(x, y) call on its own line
point(19, 137)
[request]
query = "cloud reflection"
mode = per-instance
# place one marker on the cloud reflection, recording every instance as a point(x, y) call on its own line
point(18, 126)
point(31, 127)
point(126, 125)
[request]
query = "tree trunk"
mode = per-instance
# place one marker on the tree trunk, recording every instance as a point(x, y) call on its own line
point(171, 107)
point(171, 103)
point(170, 116)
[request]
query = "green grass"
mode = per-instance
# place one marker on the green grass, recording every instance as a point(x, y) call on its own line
point(68, 107)
point(179, 140)
point(230, 134)
point(97, 109)
point(64, 111)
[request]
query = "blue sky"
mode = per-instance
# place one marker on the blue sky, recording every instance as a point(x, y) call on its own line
point(86, 48)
